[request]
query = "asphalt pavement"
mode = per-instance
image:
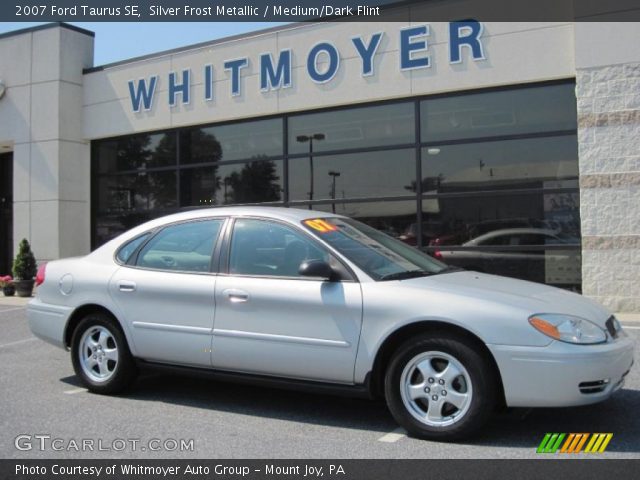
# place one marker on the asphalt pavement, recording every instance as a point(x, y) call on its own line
point(45, 413)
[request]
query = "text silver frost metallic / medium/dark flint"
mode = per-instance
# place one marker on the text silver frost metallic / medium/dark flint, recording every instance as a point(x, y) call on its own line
point(317, 300)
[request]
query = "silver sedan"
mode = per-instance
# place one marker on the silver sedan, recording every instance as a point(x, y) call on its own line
point(307, 299)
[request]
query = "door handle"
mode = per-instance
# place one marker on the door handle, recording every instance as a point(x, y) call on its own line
point(235, 295)
point(126, 286)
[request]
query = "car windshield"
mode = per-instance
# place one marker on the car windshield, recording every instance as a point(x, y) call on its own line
point(379, 255)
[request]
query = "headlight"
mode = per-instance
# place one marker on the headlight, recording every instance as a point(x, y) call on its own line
point(568, 328)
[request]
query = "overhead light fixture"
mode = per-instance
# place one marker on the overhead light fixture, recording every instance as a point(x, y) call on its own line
point(433, 151)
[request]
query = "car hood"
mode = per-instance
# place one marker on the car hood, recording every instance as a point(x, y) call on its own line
point(529, 296)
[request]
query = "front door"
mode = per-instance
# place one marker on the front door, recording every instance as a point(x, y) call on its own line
point(166, 294)
point(270, 320)
point(6, 213)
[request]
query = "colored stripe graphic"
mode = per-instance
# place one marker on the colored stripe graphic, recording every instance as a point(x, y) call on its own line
point(574, 443)
point(597, 442)
point(550, 443)
point(543, 443)
point(578, 448)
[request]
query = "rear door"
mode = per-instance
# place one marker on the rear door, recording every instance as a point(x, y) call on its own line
point(166, 293)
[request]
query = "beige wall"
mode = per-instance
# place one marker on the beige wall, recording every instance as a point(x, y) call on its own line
point(41, 121)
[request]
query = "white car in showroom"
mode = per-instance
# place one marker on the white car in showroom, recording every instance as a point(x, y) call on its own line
point(298, 298)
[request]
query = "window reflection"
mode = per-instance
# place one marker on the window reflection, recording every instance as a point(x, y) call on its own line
point(468, 220)
point(507, 112)
point(392, 124)
point(528, 163)
point(251, 182)
point(372, 174)
point(138, 191)
point(560, 268)
point(136, 152)
point(240, 141)
point(108, 226)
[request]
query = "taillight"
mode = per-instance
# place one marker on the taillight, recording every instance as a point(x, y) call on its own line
point(40, 275)
point(437, 254)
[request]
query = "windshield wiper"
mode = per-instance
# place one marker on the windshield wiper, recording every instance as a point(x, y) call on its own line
point(404, 275)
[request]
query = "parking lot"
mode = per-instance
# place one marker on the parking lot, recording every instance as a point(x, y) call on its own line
point(39, 395)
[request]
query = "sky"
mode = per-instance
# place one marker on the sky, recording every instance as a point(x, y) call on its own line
point(120, 41)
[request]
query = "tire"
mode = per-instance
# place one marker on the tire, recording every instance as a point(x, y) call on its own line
point(100, 355)
point(426, 366)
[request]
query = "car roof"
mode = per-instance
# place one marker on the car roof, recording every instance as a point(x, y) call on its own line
point(282, 213)
point(292, 215)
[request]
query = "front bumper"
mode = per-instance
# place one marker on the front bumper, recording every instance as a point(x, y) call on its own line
point(562, 374)
point(48, 322)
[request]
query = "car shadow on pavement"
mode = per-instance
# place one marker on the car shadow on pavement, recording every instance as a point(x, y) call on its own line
point(259, 401)
point(515, 428)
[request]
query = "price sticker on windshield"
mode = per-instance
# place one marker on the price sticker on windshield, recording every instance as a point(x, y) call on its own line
point(320, 225)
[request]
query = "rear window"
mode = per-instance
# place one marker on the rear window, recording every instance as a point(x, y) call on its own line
point(125, 252)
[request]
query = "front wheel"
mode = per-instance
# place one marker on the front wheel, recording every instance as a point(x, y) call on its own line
point(101, 356)
point(439, 387)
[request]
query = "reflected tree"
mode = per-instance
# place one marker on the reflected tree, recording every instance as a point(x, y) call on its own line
point(256, 182)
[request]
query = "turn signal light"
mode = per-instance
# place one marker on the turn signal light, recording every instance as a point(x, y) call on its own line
point(545, 327)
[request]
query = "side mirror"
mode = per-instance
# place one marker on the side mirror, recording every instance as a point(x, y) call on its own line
point(317, 268)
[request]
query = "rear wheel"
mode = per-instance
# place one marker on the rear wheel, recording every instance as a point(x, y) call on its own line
point(440, 387)
point(101, 356)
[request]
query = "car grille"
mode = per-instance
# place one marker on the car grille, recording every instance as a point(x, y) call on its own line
point(611, 327)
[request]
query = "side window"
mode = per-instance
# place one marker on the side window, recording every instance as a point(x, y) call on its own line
point(125, 252)
point(260, 247)
point(185, 247)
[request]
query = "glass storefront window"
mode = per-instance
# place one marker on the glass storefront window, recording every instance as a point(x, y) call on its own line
point(108, 226)
point(509, 164)
point(137, 191)
point(542, 218)
point(558, 267)
point(392, 124)
point(136, 152)
point(357, 175)
point(238, 141)
point(251, 182)
point(499, 175)
point(507, 112)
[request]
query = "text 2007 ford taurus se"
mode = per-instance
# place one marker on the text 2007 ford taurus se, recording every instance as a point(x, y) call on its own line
point(296, 297)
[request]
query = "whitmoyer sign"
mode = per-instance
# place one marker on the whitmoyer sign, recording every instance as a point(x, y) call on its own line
point(322, 64)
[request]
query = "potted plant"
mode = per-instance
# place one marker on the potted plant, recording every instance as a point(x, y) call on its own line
point(24, 269)
point(8, 288)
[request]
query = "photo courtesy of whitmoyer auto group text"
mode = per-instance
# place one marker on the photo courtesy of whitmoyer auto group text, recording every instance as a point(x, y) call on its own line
point(319, 239)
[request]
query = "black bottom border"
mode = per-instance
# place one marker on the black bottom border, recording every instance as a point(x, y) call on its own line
point(573, 466)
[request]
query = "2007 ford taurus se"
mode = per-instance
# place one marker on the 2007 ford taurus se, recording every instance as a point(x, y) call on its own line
point(309, 299)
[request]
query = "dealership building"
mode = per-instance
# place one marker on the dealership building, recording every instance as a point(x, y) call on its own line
point(510, 148)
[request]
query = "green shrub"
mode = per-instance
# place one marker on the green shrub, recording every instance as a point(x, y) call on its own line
point(24, 265)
